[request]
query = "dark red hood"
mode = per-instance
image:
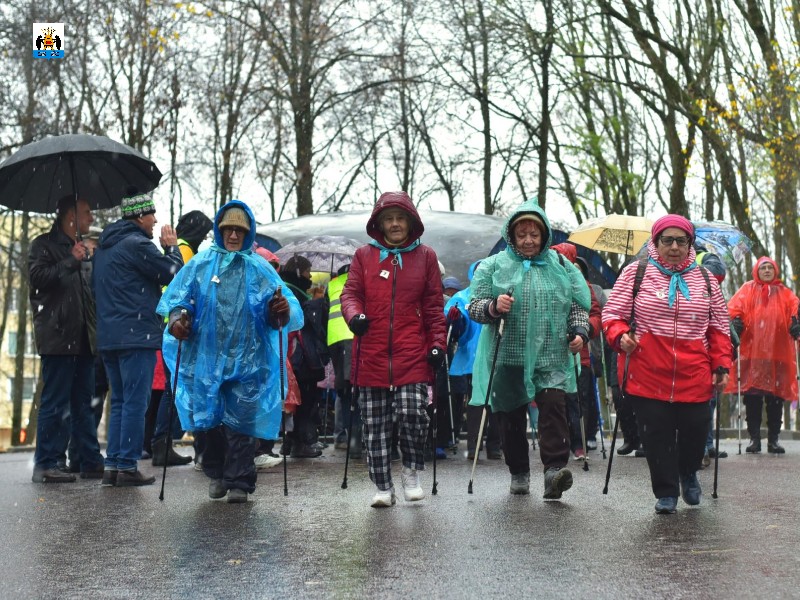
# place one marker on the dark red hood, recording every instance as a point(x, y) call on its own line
point(569, 251)
point(399, 200)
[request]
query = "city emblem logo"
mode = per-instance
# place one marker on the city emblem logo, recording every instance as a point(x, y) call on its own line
point(48, 40)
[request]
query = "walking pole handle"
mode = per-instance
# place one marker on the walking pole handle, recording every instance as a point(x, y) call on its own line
point(502, 326)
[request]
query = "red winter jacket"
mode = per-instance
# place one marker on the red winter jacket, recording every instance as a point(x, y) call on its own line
point(404, 306)
point(680, 346)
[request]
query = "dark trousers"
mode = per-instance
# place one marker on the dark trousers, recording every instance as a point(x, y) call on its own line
point(163, 423)
point(553, 433)
point(66, 412)
point(752, 406)
point(229, 456)
point(307, 414)
point(491, 429)
point(587, 408)
point(674, 434)
point(626, 416)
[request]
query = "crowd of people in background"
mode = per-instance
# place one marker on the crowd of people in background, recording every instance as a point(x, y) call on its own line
point(246, 343)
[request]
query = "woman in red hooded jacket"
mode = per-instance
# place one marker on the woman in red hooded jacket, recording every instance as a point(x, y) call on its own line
point(393, 304)
point(764, 314)
point(677, 341)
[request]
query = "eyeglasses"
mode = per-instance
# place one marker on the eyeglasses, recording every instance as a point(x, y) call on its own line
point(681, 241)
point(237, 230)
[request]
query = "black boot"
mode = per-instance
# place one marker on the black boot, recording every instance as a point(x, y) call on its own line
point(773, 447)
point(173, 458)
point(774, 422)
point(629, 446)
point(754, 447)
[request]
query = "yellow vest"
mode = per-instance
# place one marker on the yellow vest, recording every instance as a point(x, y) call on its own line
point(337, 326)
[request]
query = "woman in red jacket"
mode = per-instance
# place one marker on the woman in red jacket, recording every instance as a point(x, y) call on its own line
point(393, 303)
point(675, 343)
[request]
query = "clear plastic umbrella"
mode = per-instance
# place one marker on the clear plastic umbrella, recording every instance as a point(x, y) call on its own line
point(327, 253)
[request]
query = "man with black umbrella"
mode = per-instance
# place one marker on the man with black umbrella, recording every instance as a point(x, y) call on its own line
point(64, 324)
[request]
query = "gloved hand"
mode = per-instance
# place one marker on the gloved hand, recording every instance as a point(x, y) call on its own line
point(278, 311)
point(738, 325)
point(794, 330)
point(578, 331)
point(359, 325)
point(181, 328)
point(436, 357)
point(455, 322)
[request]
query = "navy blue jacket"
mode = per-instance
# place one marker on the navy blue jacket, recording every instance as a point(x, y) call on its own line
point(129, 272)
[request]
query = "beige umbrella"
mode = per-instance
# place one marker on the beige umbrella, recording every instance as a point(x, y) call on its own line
point(623, 234)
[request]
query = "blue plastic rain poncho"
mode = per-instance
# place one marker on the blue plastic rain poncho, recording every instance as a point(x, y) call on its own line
point(534, 352)
point(464, 356)
point(230, 365)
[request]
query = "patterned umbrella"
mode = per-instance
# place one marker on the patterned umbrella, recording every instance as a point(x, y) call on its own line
point(327, 253)
point(723, 239)
point(622, 234)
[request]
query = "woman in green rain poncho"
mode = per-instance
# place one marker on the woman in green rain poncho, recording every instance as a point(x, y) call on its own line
point(546, 323)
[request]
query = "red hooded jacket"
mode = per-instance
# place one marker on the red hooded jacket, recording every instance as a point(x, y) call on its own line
point(404, 305)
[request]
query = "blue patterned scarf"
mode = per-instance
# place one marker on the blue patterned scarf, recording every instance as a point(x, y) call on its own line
point(385, 252)
point(676, 280)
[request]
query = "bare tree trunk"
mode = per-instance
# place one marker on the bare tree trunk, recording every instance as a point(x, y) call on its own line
point(544, 127)
point(22, 331)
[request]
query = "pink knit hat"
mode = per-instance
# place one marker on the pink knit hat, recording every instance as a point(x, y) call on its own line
point(672, 221)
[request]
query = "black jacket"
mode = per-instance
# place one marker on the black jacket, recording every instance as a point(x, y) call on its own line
point(61, 296)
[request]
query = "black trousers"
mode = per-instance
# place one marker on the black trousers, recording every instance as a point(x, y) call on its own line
point(229, 456)
point(674, 434)
point(752, 405)
point(553, 433)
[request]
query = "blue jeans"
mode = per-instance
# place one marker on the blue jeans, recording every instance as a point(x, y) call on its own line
point(130, 374)
point(66, 409)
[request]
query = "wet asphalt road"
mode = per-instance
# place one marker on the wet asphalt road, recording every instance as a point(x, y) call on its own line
point(82, 541)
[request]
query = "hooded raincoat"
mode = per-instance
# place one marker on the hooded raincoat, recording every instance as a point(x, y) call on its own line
point(549, 295)
point(401, 295)
point(464, 356)
point(230, 365)
point(767, 351)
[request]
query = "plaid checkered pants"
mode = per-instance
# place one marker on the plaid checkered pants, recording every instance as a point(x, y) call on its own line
point(379, 408)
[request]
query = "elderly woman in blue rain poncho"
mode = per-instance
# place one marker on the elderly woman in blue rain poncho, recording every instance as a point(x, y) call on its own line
point(227, 305)
point(546, 323)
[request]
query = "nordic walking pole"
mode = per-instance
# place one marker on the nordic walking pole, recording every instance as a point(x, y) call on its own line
point(623, 390)
point(435, 426)
point(580, 412)
point(716, 458)
point(739, 400)
point(353, 404)
point(600, 421)
point(449, 394)
point(172, 407)
point(282, 359)
point(488, 394)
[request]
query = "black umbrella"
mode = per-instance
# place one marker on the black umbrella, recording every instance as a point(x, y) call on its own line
point(96, 168)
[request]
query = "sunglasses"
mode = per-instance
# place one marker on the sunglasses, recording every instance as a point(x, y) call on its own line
point(669, 240)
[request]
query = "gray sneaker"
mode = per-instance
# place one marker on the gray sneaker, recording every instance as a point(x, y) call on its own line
point(556, 482)
point(521, 483)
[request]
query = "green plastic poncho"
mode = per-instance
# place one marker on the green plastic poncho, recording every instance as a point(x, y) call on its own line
point(534, 351)
point(229, 371)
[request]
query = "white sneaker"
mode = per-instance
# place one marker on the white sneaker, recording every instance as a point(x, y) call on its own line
point(384, 498)
point(265, 461)
point(412, 490)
